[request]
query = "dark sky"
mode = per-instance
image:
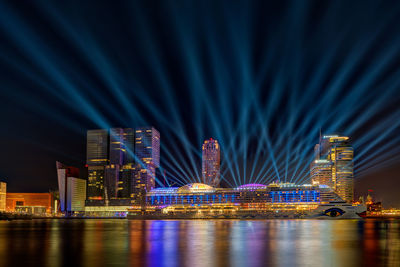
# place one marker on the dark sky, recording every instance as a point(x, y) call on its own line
point(260, 77)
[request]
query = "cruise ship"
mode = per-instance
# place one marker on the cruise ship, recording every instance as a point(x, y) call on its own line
point(252, 201)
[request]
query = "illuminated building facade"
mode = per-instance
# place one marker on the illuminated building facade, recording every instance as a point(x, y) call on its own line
point(321, 172)
point(333, 165)
point(211, 160)
point(143, 182)
point(96, 160)
point(342, 156)
point(121, 146)
point(3, 192)
point(33, 210)
point(147, 145)
point(44, 200)
point(119, 162)
point(126, 181)
point(64, 173)
point(117, 148)
point(121, 158)
point(128, 138)
point(97, 147)
point(76, 194)
point(147, 150)
point(111, 180)
point(95, 186)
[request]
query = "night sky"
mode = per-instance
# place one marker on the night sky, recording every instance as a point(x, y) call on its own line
point(261, 78)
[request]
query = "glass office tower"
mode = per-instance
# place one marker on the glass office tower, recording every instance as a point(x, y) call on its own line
point(147, 150)
point(96, 160)
point(333, 165)
point(211, 160)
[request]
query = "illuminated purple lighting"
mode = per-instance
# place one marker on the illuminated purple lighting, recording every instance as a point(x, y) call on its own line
point(166, 190)
point(251, 186)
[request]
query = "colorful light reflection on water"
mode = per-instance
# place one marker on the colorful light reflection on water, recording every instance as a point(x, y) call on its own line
point(200, 243)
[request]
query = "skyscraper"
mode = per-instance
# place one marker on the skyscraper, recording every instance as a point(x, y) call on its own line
point(342, 154)
point(96, 159)
point(95, 182)
point(111, 178)
point(333, 165)
point(211, 162)
point(147, 145)
point(117, 148)
point(321, 172)
point(97, 147)
point(121, 162)
point(121, 146)
point(128, 139)
point(126, 180)
point(121, 159)
point(147, 150)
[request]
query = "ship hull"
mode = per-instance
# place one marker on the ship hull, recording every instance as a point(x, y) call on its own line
point(326, 211)
point(337, 211)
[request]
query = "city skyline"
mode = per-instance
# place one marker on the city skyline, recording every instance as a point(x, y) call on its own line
point(121, 150)
point(122, 166)
point(200, 133)
point(332, 155)
point(261, 78)
point(133, 156)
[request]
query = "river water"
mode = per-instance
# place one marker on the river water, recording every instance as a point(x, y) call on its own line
point(121, 242)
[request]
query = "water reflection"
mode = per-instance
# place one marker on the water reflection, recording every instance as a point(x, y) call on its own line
point(200, 243)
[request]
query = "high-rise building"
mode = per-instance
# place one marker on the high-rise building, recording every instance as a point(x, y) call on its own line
point(121, 154)
point(321, 172)
point(129, 145)
point(142, 183)
point(121, 162)
point(96, 159)
point(333, 165)
point(111, 180)
point(97, 147)
point(121, 146)
point(147, 150)
point(342, 154)
point(95, 182)
point(126, 180)
point(3, 192)
point(63, 173)
point(147, 145)
point(117, 148)
point(211, 160)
